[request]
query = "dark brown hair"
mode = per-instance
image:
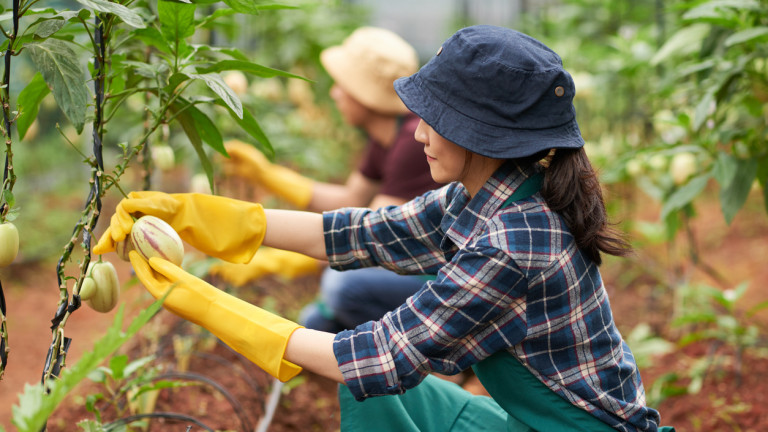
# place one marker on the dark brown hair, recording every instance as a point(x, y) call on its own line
point(572, 189)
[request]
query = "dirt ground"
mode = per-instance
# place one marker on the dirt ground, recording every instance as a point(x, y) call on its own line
point(232, 394)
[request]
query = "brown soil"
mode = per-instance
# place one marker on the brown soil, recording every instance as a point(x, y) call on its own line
point(732, 397)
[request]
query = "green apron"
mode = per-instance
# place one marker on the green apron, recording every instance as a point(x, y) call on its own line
point(520, 403)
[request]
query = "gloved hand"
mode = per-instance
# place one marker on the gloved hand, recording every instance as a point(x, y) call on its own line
point(260, 336)
point(217, 226)
point(246, 161)
point(267, 261)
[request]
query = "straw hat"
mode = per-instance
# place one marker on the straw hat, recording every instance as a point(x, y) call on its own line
point(367, 63)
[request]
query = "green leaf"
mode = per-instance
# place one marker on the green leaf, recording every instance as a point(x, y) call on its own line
point(117, 365)
point(250, 7)
point(186, 120)
point(9, 198)
point(733, 197)
point(686, 41)
point(249, 124)
point(218, 13)
point(154, 38)
point(702, 110)
point(148, 70)
point(747, 35)
point(218, 86)
point(35, 407)
point(29, 102)
point(138, 364)
point(61, 70)
point(725, 169)
point(685, 194)
point(248, 67)
point(127, 15)
point(49, 26)
point(207, 129)
point(177, 20)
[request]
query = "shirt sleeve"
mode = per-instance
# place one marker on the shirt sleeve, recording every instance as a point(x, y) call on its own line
point(405, 239)
point(475, 307)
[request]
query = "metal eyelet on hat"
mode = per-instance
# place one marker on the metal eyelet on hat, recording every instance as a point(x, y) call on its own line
point(439, 50)
point(559, 91)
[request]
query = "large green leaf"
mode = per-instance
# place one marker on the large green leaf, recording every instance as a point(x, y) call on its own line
point(687, 40)
point(733, 197)
point(29, 103)
point(207, 129)
point(50, 25)
point(177, 20)
point(218, 86)
point(747, 35)
point(60, 67)
point(703, 109)
point(249, 124)
point(252, 8)
point(154, 38)
point(725, 169)
point(35, 406)
point(182, 111)
point(248, 67)
point(685, 194)
point(218, 13)
point(127, 15)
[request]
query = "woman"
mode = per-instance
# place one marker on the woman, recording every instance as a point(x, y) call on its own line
point(515, 248)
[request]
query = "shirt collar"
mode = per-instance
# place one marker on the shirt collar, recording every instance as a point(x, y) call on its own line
point(465, 216)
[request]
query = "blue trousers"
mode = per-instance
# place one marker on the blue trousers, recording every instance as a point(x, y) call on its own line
point(350, 298)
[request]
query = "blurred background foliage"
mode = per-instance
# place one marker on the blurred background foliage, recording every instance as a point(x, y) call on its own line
point(671, 99)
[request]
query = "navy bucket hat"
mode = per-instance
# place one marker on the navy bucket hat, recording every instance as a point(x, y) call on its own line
point(496, 92)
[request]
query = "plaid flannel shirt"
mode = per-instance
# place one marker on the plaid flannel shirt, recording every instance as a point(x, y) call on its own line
point(508, 278)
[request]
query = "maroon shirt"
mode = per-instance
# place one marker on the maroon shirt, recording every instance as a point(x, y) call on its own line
point(402, 169)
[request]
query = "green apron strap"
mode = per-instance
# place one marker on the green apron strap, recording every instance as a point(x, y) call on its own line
point(530, 186)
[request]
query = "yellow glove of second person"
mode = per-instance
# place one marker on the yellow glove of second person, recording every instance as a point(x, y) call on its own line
point(246, 161)
point(267, 261)
point(260, 336)
point(217, 226)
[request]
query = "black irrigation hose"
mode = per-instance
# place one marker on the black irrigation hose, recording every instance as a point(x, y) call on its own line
point(3, 354)
point(165, 348)
point(191, 376)
point(164, 415)
point(224, 362)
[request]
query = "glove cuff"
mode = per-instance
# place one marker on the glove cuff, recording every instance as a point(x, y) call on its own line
point(289, 185)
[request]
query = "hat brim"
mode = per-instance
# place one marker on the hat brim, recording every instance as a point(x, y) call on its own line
point(355, 81)
point(478, 136)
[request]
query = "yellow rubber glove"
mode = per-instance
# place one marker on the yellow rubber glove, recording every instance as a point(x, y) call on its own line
point(253, 332)
point(248, 162)
point(217, 226)
point(267, 261)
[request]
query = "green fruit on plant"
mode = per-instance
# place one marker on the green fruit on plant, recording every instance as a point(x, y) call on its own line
point(87, 289)
point(682, 167)
point(9, 243)
point(199, 184)
point(153, 237)
point(163, 157)
point(106, 286)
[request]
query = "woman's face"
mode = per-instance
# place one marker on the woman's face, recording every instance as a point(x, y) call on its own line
point(447, 161)
point(354, 112)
